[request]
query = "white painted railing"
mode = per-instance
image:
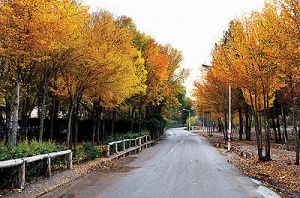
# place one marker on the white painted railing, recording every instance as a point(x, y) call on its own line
point(113, 148)
point(26, 160)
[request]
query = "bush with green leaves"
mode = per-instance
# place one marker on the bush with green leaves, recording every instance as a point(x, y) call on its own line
point(86, 152)
point(9, 176)
point(129, 135)
point(28, 148)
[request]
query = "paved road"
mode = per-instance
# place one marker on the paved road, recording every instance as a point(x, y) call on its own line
point(182, 165)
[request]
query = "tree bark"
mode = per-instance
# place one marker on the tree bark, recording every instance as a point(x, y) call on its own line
point(113, 122)
point(274, 126)
point(71, 107)
point(248, 125)
point(284, 125)
point(241, 124)
point(278, 126)
point(7, 118)
point(43, 106)
point(12, 138)
point(54, 112)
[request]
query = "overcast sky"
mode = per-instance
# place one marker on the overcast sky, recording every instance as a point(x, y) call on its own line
point(191, 26)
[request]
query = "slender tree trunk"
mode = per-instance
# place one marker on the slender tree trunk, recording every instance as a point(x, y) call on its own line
point(284, 125)
point(278, 126)
point(241, 124)
point(132, 118)
point(43, 106)
point(258, 137)
point(247, 125)
point(267, 129)
point(98, 130)
point(7, 118)
point(295, 129)
point(53, 118)
point(224, 132)
point(219, 125)
point(12, 138)
point(274, 126)
point(225, 127)
point(140, 119)
point(113, 122)
point(76, 120)
point(103, 129)
point(257, 125)
point(69, 131)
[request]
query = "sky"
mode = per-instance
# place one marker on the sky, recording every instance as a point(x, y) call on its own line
point(191, 26)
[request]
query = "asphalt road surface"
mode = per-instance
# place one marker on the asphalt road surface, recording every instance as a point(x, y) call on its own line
point(181, 165)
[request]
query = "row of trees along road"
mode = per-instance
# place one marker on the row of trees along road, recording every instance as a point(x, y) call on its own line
point(58, 58)
point(259, 57)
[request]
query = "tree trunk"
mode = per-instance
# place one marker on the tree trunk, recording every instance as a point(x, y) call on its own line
point(113, 122)
point(267, 130)
point(103, 129)
point(76, 120)
point(132, 119)
point(7, 118)
point(12, 138)
point(241, 124)
point(295, 129)
point(140, 119)
point(278, 126)
point(297, 145)
point(54, 112)
point(274, 126)
point(43, 106)
point(224, 132)
point(258, 138)
point(284, 126)
point(257, 125)
point(248, 125)
point(71, 107)
point(98, 130)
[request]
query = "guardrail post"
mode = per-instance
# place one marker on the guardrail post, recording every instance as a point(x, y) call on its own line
point(116, 145)
point(48, 171)
point(108, 150)
point(69, 161)
point(22, 175)
point(124, 146)
point(140, 144)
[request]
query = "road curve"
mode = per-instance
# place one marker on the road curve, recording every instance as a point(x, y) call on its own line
point(181, 165)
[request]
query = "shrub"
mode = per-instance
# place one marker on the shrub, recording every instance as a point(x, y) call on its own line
point(4, 152)
point(8, 176)
point(27, 149)
point(90, 151)
point(86, 152)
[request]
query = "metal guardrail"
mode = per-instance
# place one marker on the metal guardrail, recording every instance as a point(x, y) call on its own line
point(23, 161)
point(116, 147)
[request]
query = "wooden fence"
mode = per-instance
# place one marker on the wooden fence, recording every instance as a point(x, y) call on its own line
point(127, 146)
point(21, 163)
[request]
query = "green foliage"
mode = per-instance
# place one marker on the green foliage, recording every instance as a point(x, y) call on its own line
point(87, 152)
point(8, 176)
point(27, 149)
point(129, 135)
point(4, 153)
point(91, 152)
